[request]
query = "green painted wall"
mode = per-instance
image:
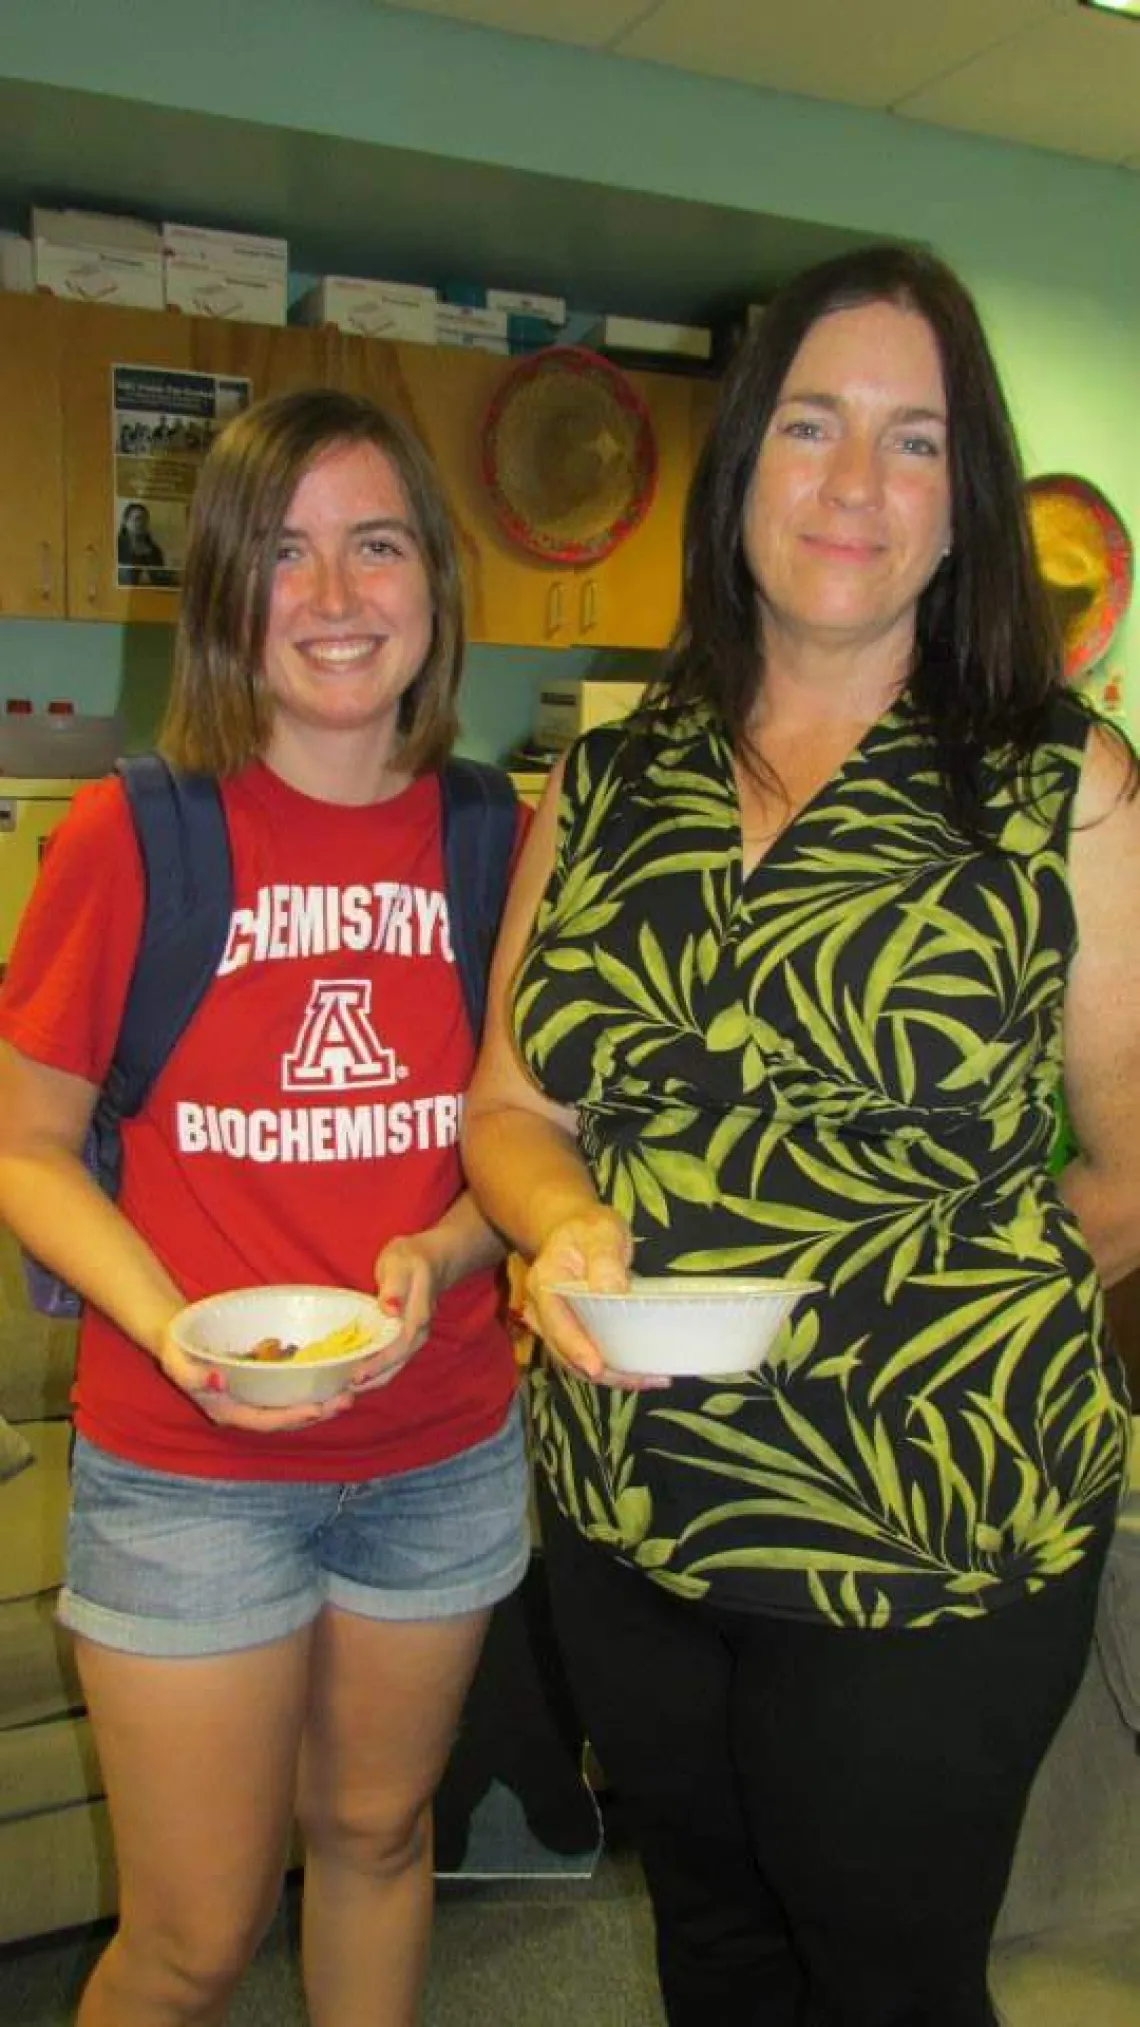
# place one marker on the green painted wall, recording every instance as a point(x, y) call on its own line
point(125, 669)
point(1047, 243)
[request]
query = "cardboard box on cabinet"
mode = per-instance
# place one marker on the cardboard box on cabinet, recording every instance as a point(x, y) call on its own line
point(225, 274)
point(465, 325)
point(641, 335)
point(97, 257)
point(525, 303)
point(376, 309)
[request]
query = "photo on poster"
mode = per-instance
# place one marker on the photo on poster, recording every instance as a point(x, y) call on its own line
point(163, 423)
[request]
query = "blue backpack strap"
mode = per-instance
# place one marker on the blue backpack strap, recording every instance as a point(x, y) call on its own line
point(188, 879)
point(480, 813)
point(184, 846)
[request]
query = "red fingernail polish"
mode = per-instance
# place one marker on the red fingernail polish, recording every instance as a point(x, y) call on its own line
point(215, 1384)
point(392, 1304)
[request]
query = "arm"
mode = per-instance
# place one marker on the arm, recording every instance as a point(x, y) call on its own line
point(414, 1270)
point(60, 1214)
point(520, 1149)
point(63, 998)
point(1102, 1013)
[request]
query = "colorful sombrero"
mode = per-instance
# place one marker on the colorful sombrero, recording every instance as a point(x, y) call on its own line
point(568, 455)
point(1085, 557)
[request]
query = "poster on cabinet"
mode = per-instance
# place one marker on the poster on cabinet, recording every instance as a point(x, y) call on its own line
point(163, 423)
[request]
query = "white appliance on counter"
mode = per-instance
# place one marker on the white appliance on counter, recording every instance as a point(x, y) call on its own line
point(567, 709)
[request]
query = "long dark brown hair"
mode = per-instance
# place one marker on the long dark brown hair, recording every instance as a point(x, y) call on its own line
point(987, 660)
point(218, 714)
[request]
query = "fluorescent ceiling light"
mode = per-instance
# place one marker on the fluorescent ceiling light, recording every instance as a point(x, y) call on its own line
point(1131, 7)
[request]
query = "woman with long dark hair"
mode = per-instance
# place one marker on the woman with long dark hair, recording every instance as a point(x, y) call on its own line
point(795, 963)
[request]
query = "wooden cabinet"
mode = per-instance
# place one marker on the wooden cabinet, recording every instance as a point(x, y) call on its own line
point(443, 393)
point(630, 599)
point(57, 512)
point(31, 459)
point(98, 338)
point(509, 597)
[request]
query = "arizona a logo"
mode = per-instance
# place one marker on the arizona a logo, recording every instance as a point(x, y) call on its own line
point(338, 1048)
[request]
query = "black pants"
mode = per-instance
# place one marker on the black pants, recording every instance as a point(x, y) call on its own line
point(826, 1817)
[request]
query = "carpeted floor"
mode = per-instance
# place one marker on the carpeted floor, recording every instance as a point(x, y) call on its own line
point(531, 1954)
point(572, 1953)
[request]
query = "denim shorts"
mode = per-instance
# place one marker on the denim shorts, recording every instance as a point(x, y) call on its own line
point(165, 1565)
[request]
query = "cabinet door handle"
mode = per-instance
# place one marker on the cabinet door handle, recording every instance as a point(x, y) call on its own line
point(554, 608)
point(47, 574)
point(91, 554)
point(589, 605)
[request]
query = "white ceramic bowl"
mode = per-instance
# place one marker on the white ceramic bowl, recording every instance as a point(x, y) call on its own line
point(222, 1329)
point(686, 1325)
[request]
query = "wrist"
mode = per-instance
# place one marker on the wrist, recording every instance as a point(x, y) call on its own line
point(582, 1210)
point(151, 1332)
point(434, 1248)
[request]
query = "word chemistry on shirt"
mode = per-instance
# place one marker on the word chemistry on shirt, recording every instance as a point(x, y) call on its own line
point(292, 922)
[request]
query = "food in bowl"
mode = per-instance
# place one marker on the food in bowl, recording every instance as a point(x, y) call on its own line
point(334, 1344)
point(686, 1326)
point(322, 1337)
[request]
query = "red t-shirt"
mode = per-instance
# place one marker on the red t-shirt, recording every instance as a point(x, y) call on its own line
point(309, 1111)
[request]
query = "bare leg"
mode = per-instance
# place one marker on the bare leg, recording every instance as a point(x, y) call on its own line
point(200, 1762)
point(386, 1699)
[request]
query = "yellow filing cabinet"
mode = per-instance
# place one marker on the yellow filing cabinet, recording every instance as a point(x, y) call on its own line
point(29, 810)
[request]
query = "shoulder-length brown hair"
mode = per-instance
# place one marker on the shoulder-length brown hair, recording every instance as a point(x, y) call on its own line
point(987, 656)
point(218, 714)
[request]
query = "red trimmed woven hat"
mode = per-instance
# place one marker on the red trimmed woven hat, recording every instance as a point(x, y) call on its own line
point(1085, 557)
point(568, 455)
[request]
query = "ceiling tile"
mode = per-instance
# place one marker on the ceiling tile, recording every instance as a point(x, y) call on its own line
point(592, 24)
point(866, 54)
point(1071, 83)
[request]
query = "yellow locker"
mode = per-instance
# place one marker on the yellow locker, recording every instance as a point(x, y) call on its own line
point(29, 810)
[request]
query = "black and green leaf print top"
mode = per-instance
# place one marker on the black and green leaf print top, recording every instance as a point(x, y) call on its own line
point(841, 1068)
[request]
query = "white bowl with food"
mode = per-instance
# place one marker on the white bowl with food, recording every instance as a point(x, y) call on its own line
point(284, 1347)
point(686, 1326)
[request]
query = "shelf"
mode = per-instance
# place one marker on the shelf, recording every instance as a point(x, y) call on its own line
point(349, 207)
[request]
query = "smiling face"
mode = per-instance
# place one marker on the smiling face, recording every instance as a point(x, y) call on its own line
point(849, 509)
point(350, 612)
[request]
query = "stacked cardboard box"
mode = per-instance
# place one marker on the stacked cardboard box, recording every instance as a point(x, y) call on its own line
point(97, 257)
point(226, 274)
point(378, 309)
